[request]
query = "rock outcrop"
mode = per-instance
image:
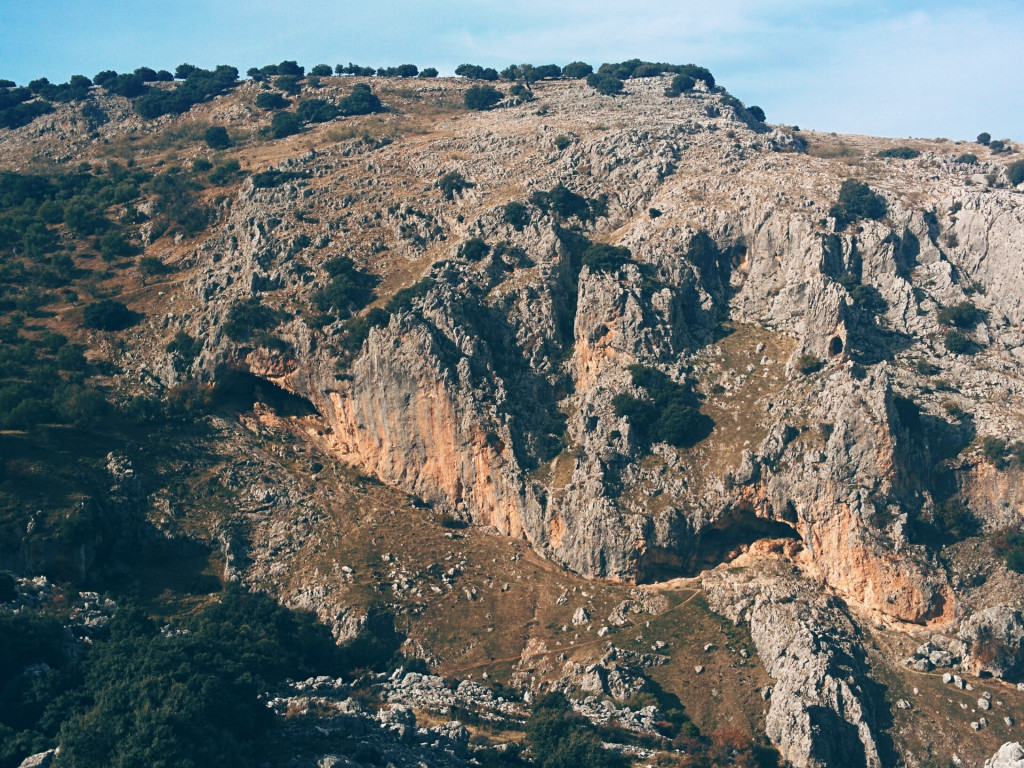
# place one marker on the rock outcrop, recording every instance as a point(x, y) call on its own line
point(995, 642)
point(823, 710)
point(1010, 755)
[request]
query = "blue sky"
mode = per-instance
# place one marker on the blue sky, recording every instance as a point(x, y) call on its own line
point(925, 69)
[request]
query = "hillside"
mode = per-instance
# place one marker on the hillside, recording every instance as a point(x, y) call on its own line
point(633, 397)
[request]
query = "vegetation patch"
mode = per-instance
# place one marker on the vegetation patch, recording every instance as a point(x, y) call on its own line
point(670, 414)
point(899, 153)
point(856, 201)
point(349, 290)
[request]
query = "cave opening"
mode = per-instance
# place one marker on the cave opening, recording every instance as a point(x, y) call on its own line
point(723, 541)
point(835, 347)
point(240, 390)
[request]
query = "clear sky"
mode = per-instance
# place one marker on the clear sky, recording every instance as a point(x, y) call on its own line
point(926, 69)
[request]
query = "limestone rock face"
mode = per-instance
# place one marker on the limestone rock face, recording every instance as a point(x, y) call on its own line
point(492, 394)
point(823, 709)
point(1010, 755)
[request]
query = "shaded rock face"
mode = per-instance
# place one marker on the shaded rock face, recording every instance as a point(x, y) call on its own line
point(995, 642)
point(491, 396)
point(824, 709)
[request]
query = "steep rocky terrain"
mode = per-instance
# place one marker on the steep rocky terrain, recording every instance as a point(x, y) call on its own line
point(846, 492)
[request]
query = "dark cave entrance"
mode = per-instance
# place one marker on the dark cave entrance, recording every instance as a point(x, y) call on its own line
point(240, 390)
point(722, 542)
point(835, 347)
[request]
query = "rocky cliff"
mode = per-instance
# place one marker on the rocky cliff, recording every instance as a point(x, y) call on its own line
point(490, 394)
point(639, 334)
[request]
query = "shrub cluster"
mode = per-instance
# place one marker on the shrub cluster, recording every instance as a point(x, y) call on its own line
point(358, 328)
point(141, 696)
point(671, 414)
point(601, 257)
point(249, 320)
point(349, 290)
point(564, 203)
point(1015, 172)
point(559, 737)
point(475, 72)
point(199, 85)
point(899, 153)
point(857, 201)
point(42, 380)
point(867, 297)
point(482, 97)
point(453, 183)
point(962, 315)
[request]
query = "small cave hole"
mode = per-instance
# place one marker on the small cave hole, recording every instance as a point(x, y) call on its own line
point(835, 347)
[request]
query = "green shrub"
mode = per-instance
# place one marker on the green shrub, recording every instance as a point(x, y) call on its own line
point(349, 290)
point(1010, 546)
point(482, 97)
point(109, 315)
point(984, 138)
point(290, 84)
point(857, 201)
point(670, 415)
point(193, 698)
point(958, 344)
point(321, 70)
point(559, 738)
point(954, 522)
point(607, 85)
point(453, 183)
point(225, 172)
point(561, 142)
point(361, 101)
point(962, 315)
point(900, 153)
point(808, 364)
point(316, 111)
point(868, 298)
point(427, 72)
point(474, 249)
point(601, 257)
point(285, 124)
point(563, 202)
point(576, 70)
point(968, 159)
point(216, 137)
point(680, 84)
point(270, 178)
point(245, 318)
point(516, 214)
point(271, 100)
point(1015, 172)
point(474, 72)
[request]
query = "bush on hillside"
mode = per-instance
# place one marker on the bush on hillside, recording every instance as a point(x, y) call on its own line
point(482, 97)
point(109, 315)
point(577, 70)
point(857, 201)
point(900, 153)
point(216, 137)
point(605, 84)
